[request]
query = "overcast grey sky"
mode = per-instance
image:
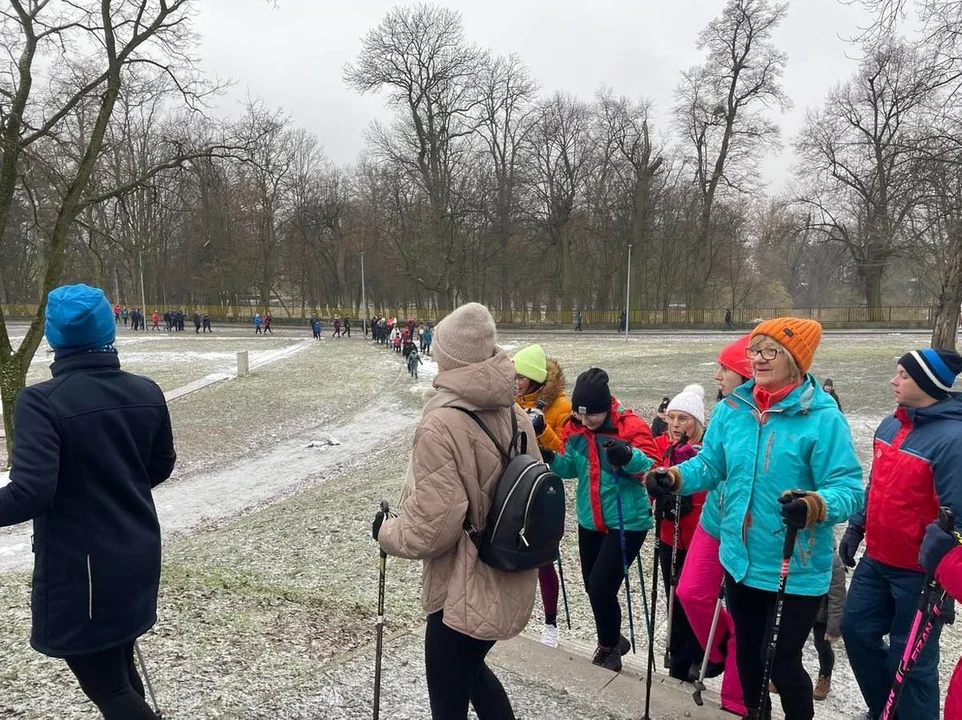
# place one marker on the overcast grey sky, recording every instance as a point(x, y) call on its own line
point(292, 56)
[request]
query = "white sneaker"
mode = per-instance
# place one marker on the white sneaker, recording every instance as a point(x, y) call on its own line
point(549, 636)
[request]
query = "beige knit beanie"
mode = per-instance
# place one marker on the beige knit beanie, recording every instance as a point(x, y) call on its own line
point(466, 336)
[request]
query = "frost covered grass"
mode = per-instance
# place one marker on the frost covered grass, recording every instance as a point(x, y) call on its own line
point(272, 615)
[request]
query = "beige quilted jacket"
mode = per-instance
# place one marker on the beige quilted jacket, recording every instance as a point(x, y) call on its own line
point(453, 471)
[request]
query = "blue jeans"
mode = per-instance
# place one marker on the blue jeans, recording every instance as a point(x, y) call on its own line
point(882, 600)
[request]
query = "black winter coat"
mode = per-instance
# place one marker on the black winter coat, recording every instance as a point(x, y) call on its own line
point(89, 446)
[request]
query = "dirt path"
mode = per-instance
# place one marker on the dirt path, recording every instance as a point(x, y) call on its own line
point(289, 467)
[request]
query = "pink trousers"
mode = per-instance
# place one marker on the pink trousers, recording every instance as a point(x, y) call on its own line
point(701, 577)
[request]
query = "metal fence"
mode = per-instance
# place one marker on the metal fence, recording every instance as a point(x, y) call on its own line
point(897, 315)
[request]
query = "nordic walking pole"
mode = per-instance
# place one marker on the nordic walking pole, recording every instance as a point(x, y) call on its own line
point(624, 565)
point(788, 549)
point(150, 687)
point(700, 682)
point(673, 582)
point(654, 610)
point(644, 599)
point(379, 624)
point(676, 535)
point(564, 593)
point(919, 634)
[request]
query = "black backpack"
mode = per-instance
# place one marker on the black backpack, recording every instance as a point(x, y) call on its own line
point(527, 517)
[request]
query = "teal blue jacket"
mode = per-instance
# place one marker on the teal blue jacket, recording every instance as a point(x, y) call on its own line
point(802, 442)
point(599, 484)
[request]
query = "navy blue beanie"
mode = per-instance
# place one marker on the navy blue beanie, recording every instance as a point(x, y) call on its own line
point(934, 371)
point(79, 317)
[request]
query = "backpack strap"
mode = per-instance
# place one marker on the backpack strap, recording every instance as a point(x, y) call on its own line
point(505, 454)
point(472, 532)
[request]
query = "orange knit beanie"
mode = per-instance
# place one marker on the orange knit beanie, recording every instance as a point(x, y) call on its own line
point(799, 336)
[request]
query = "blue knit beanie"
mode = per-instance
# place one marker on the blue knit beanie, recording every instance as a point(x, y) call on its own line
point(79, 317)
point(933, 370)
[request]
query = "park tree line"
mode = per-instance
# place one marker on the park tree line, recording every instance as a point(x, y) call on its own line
point(482, 184)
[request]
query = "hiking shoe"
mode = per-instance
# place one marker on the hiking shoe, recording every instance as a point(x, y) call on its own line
point(624, 645)
point(823, 687)
point(608, 658)
point(549, 636)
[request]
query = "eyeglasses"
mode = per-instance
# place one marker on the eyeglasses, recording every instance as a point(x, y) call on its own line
point(767, 353)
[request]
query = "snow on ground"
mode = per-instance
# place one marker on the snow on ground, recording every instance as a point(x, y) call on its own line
point(270, 614)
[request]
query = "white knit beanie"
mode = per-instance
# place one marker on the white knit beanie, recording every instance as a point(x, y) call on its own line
point(466, 336)
point(690, 400)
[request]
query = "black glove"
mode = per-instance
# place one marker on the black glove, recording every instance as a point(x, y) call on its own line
point(794, 511)
point(537, 420)
point(618, 452)
point(662, 483)
point(547, 455)
point(685, 505)
point(849, 544)
point(376, 525)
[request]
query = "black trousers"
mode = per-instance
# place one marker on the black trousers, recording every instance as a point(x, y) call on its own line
point(457, 674)
point(109, 678)
point(826, 655)
point(603, 572)
point(684, 648)
point(752, 612)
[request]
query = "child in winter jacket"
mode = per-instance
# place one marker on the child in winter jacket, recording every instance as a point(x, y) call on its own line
point(606, 447)
point(685, 420)
point(413, 361)
point(828, 629)
point(541, 392)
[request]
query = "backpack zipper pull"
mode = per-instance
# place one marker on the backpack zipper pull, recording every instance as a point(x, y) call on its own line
point(523, 538)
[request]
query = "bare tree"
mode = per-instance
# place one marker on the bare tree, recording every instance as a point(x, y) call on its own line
point(722, 112)
point(420, 57)
point(42, 88)
point(505, 112)
point(561, 151)
point(626, 146)
point(936, 237)
point(857, 156)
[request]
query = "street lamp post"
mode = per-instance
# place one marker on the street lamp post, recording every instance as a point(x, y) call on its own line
point(628, 292)
point(143, 298)
point(364, 295)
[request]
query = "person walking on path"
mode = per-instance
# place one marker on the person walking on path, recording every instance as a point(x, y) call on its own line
point(917, 467)
point(703, 574)
point(541, 392)
point(451, 478)
point(257, 323)
point(604, 442)
point(784, 453)
point(205, 322)
point(89, 445)
point(196, 319)
point(268, 322)
point(427, 337)
point(347, 326)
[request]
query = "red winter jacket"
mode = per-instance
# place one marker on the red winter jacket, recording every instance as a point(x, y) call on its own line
point(949, 576)
point(688, 522)
point(917, 467)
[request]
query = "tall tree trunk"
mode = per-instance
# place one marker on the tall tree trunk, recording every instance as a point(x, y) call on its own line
point(947, 308)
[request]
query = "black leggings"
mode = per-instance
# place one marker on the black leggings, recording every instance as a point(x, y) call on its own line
point(110, 680)
point(603, 572)
point(456, 673)
point(685, 650)
point(826, 655)
point(752, 611)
